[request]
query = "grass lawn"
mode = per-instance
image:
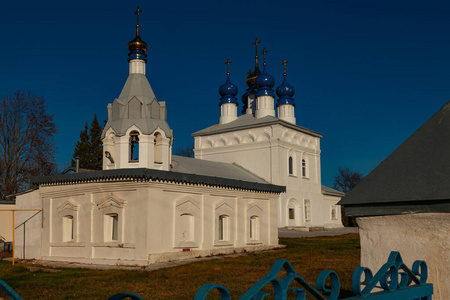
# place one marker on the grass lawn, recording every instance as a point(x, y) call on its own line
point(308, 256)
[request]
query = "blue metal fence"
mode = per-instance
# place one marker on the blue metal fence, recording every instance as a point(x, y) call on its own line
point(394, 280)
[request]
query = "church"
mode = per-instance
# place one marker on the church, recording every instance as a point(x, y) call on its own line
point(251, 174)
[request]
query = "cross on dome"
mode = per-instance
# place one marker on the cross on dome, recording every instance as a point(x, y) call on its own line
point(284, 63)
point(256, 46)
point(264, 52)
point(228, 62)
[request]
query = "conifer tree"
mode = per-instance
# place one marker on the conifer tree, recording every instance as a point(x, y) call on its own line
point(96, 145)
point(82, 148)
point(89, 148)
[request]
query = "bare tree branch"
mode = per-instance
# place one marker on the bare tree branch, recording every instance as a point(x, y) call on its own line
point(27, 146)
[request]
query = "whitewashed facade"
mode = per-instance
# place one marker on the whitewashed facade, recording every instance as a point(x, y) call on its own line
point(250, 176)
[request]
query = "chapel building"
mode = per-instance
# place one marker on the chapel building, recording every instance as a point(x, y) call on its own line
point(148, 205)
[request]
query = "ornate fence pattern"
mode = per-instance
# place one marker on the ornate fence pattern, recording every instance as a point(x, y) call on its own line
point(394, 280)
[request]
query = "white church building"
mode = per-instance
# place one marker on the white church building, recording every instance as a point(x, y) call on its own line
point(251, 175)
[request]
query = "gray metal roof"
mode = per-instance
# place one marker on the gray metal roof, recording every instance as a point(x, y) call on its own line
point(332, 192)
point(249, 121)
point(213, 169)
point(224, 175)
point(147, 116)
point(414, 178)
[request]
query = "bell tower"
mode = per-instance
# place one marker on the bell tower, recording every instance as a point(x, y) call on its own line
point(137, 134)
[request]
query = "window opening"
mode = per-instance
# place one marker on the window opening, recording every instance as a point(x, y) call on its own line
point(303, 168)
point(291, 167)
point(254, 228)
point(291, 214)
point(68, 228)
point(134, 146)
point(223, 228)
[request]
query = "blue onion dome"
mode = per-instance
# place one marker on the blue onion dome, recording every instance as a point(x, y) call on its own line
point(265, 83)
point(285, 92)
point(137, 46)
point(228, 91)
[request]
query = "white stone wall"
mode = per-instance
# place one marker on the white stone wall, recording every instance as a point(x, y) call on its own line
point(416, 237)
point(33, 228)
point(155, 222)
point(265, 151)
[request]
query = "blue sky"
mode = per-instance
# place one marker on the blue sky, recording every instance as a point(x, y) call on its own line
point(367, 73)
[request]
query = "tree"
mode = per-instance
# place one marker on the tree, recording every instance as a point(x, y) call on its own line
point(344, 181)
point(89, 149)
point(27, 145)
point(187, 151)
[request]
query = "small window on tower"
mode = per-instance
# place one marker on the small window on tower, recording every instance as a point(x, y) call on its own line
point(134, 146)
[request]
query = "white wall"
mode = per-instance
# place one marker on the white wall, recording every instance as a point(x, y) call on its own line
point(31, 227)
point(149, 216)
point(416, 237)
point(265, 152)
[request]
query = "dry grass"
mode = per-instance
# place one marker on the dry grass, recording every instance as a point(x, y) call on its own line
point(308, 256)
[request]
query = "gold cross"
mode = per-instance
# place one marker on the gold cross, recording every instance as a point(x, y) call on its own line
point(228, 62)
point(264, 55)
point(284, 63)
point(137, 12)
point(256, 45)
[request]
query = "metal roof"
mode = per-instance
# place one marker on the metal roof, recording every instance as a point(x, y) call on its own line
point(414, 178)
point(332, 192)
point(206, 173)
point(249, 121)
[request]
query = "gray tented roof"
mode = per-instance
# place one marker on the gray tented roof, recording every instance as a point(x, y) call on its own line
point(414, 178)
point(185, 170)
point(249, 121)
point(148, 114)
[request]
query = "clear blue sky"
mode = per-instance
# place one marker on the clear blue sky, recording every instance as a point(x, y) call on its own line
point(367, 73)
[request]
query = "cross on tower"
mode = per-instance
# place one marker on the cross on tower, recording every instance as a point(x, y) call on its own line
point(228, 62)
point(284, 63)
point(264, 55)
point(137, 12)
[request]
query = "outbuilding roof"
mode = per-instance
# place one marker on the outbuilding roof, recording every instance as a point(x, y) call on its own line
point(414, 178)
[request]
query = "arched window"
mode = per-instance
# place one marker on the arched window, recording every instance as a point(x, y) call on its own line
point(158, 148)
point(134, 146)
point(224, 224)
point(303, 167)
point(68, 228)
point(254, 228)
point(291, 166)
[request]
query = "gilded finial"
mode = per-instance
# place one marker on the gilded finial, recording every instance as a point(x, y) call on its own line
point(137, 12)
point(256, 46)
point(264, 52)
point(228, 62)
point(284, 63)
